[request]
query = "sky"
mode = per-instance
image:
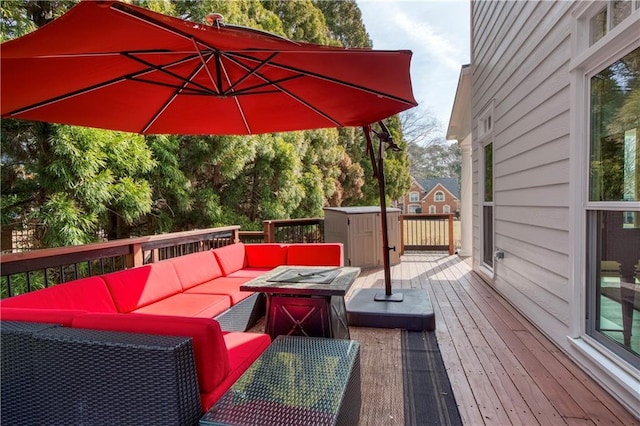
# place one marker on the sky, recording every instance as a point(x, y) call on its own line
point(437, 32)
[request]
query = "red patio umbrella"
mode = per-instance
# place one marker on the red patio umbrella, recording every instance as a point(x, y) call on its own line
point(111, 65)
point(116, 66)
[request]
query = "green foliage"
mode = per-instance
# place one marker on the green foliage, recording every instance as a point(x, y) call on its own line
point(344, 22)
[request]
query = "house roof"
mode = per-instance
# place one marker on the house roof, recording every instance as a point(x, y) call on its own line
point(449, 183)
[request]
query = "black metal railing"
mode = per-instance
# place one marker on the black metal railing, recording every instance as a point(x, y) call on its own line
point(310, 230)
point(32, 270)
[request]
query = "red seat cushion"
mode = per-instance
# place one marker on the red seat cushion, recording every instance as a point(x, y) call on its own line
point(210, 351)
point(134, 288)
point(188, 305)
point(196, 268)
point(223, 285)
point(316, 254)
point(86, 294)
point(265, 255)
point(231, 257)
point(243, 349)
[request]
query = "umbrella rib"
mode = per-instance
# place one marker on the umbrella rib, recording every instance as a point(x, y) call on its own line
point(133, 76)
point(250, 73)
point(171, 74)
point(124, 9)
point(220, 70)
point(297, 98)
point(166, 105)
point(204, 64)
point(230, 55)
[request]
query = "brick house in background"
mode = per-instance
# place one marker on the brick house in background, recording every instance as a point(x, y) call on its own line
point(431, 196)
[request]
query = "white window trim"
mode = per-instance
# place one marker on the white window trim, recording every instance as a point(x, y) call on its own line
point(417, 194)
point(435, 197)
point(485, 138)
point(586, 62)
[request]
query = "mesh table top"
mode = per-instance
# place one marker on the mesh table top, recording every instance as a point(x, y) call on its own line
point(296, 381)
point(337, 286)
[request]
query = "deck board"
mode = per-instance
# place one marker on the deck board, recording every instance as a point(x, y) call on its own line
point(501, 368)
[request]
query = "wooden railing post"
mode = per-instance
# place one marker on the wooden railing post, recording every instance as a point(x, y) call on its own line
point(451, 234)
point(401, 234)
point(136, 257)
point(269, 231)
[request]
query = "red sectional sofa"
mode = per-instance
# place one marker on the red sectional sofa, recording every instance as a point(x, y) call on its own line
point(176, 297)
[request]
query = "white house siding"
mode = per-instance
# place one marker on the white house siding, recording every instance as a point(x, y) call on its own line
point(520, 60)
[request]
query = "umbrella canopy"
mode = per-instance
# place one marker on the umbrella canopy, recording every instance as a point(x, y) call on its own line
point(116, 66)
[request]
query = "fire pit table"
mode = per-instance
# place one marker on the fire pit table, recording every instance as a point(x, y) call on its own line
point(305, 301)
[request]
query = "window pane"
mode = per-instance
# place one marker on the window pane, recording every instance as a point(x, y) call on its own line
point(487, 249)
point(617, 253)
point(598, 27)
point(620, 10)
point(488, 173)
point(615, 129)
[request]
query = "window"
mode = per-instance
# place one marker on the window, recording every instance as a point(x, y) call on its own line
point(415, 208)
point(612, 14)
point(414, 197)
point(446, 209)
point(487, 207)
point(613, 211)
point(432, 209)
point(439, 196)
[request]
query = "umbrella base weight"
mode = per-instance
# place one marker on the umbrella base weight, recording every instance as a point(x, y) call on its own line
point(383, 297)
point(414, 312)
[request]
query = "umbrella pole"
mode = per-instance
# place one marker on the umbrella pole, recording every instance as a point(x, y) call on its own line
point(378, 173)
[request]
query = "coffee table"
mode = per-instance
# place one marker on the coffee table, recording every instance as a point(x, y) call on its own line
point(305, 301)
point(302, 381)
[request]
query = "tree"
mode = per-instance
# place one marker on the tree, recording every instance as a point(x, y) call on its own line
point(344, 22)
point(73, 181)
point(430, 155)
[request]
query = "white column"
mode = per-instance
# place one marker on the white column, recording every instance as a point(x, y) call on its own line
point(466, 200)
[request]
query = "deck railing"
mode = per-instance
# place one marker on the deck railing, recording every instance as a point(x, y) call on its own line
point(309, 230)
point(33, 270)
point(427, 232)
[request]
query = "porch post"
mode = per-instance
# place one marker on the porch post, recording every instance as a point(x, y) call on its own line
point(466, 200)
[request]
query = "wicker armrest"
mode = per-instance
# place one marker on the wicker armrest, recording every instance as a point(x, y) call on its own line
point(17, 372)
point(83, 376)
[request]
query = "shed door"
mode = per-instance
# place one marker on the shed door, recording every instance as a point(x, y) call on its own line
point(364, 241)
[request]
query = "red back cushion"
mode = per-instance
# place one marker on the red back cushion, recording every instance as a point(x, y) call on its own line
point(316, 254)
point(86, 294)
point(265, 255)
point(51, 316)
point(210, 351)
point(231, 258)
point(196, 268)
point(137, 287)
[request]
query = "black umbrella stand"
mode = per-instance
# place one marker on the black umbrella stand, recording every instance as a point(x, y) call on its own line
point(368, 307)
point(378, 173)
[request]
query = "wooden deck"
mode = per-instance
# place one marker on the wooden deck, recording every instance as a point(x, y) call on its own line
point(502, 369)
